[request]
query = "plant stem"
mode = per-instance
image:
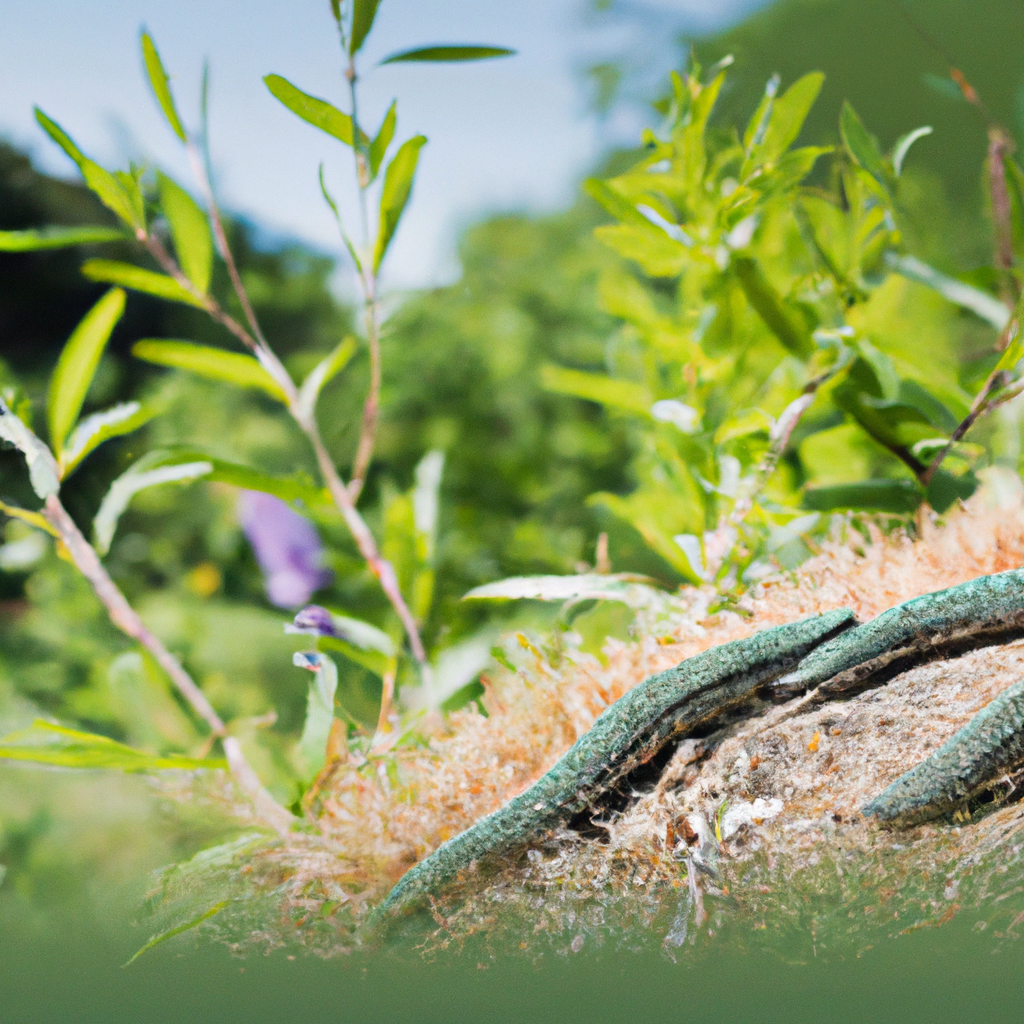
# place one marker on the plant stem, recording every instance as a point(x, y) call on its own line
point(128, 621)
point(344, 498)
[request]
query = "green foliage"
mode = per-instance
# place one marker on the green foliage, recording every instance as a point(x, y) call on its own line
point(213, 363)
point(398, 180)
point(448, 54)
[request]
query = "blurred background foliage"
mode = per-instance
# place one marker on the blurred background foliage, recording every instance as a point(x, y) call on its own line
point(482, 370)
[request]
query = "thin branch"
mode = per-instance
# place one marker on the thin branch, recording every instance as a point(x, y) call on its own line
point(128, 621)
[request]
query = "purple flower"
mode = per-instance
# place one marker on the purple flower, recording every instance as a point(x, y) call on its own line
point(287, 548)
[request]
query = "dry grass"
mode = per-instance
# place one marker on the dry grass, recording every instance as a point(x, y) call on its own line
point(380, 819)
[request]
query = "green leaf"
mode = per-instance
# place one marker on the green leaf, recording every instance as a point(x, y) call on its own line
point(36, 519)
point(45, 743)
point(136, 479)
point(212, 363)
point(978, 302)
point(945, 488)
point(56, 238)
point(398, 181)
point(380, 144)
point(448, 53)
point(323, 372)
point(137, 279)
point(314, 111)
point(788, 113)
point(77, 364)
point(179, 929)
point(316, 729)
point(651, 248)
point(595, 387)
point(783, 322)
point(42, 467)
point(328, 198)
point(190, 230)
point(615, 203)
point(895, 496)
point(625, 587)
point(99, 427)
point(363, 13)
point(372, 660)
point(161, 85)
point(862, 146)
point(123, 199)
point(59, 136)
point(903, 144)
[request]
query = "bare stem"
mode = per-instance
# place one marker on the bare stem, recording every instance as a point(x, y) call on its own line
point(128, 621)
point(371, 407)
point(379, 566)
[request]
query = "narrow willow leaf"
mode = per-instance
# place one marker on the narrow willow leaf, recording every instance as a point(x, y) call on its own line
point(329, 199)
point(788, 114)
point(161, 85)
point(862, 146)
point(212, 363)
point(179, 929)
point(380, 144)
point(323, 623)
point(324, 371)
point(190, 230)
point(397, 185)
point(448, 53)
point(294, 488)
point(902, 147)
point(59, 136)
point(363, 13)
point(36, 519)
point(595, 387)
point(56, 238)
point(127, 275)
point(312, 110)
point(895, 496)
point(45, 743)
point(99, 427)
point(316, 729)
point(42, 467)
point(785, 324)
point(126, 486)
point(129, 181)
point(77, 364)
point(113, 194)
point(615, 202)
point(981, 303)
point(585, 587)
point(426, 502)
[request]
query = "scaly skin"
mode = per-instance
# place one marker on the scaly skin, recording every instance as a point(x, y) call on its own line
point(634, 729)
point(990, 745)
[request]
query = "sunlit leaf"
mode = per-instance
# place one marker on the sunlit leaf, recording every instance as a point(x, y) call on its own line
point(123, 199)
point(862, 146)
point(190, 230)
point(363, 13)
point(584, 587)
point(42, 467)
point(449, 53)
point(136, 479)
point(212, 363)
point(316, 728)
point(36, 519)
point(56, 238)
point(99, 427)
point(45, 743)
point(312, 110)
point(77, 365)
point(615, 202)
point(179, 929)
point(895, 496)
point(789, 112)
point(595, 387)
point(652, 249)
point(398, 181)
point(380, 144)
point(161, 85)
point(59, 136)
point(323, 372)
point(988, 307)
point(127, 275)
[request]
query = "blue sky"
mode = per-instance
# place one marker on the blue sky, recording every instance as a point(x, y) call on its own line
point(504, 135)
